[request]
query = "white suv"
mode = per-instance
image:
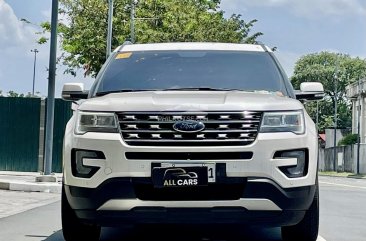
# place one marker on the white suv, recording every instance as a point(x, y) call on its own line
point(190, 133)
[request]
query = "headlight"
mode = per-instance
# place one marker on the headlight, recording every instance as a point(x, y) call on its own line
point(95, 122)
point(291, 121)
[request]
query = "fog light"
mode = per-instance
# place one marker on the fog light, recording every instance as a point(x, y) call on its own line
point(77, 166)
point(301, 169)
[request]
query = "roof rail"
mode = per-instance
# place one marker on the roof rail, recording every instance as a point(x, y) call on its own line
point(263, 46)
point(127, 42)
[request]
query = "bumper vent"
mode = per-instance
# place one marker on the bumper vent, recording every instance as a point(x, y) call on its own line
point(189, 155)
point(221, 128)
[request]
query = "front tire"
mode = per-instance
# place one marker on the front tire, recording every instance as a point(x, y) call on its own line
point(308, 228)
point(73, 229)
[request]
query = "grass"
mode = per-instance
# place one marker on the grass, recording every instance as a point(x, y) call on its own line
point(336, 174)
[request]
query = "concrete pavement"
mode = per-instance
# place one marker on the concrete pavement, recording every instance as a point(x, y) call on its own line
point(342, 174)
point(342, 212)
point(15, 202)
point(26, 182)
point(342, 208)
point(48, 228)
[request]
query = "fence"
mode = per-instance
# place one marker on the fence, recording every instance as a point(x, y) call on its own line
point(19, 133)
point(22, 122)
point(22, 133)
point(345, 161)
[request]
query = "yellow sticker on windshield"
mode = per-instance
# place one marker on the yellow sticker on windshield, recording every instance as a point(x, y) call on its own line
point(125, 55)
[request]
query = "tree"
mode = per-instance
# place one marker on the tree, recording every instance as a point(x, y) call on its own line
point(325, 67)
point(83, 38)
point(349, 139)
point(12, 93)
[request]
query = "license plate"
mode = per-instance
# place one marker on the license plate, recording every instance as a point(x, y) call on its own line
point(181, 175)
point(211, 168)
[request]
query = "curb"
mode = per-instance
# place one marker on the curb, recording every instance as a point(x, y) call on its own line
point(4, 185)
point(349, 176)
point(357, 176)
point(30, 187)
point(330, 175)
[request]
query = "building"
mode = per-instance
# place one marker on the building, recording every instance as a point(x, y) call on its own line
point(356, 92)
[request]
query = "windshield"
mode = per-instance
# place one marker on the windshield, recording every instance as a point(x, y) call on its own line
point(203, 70)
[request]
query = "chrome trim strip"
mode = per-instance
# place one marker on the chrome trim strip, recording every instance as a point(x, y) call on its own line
point(138, 139)
point(249, 204)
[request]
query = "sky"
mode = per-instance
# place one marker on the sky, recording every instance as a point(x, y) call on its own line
point(295, 27)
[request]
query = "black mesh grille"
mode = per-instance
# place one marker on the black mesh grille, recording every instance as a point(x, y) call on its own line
point(189, 155)
point(232, 191)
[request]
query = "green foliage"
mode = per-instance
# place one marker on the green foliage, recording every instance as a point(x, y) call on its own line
point(349, 139)
point(84, 36)
point(42, 40)
point(325, 67)
point(15, 94)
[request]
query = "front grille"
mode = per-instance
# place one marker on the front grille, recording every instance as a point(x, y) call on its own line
point(221, 128)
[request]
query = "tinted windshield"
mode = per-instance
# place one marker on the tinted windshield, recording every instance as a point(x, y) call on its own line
point(159, 70)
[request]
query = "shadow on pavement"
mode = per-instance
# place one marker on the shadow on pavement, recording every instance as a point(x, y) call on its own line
point(190, 233)
point(56, 236)
point(183, 233)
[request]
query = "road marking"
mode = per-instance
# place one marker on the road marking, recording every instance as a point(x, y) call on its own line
point(341, 185)
point(320, 238)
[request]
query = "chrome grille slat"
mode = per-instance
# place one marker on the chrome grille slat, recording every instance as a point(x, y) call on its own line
point(204, 131)
point(201, 136)
point(130, 136)
point(206, 122)
point(222, 128)
point(154, 117)
point(155, 127)
point(133, 127)
point(183, 141)
point(178, 136)
point(156, 136)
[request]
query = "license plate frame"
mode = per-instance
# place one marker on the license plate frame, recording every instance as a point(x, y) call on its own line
point(211, 168)
point(183, 175)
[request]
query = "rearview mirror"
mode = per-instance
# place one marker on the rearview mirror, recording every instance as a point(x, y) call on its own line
point(310, 91)
point(74, 92)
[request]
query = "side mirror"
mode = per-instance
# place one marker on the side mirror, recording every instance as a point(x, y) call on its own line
point(74, 92)
point(310, 91)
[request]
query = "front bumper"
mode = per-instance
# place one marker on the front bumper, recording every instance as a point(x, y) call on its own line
point(261, 202)
point(261, 164)
point(119, 191)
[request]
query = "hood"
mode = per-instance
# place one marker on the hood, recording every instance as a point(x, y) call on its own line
point(190, 101)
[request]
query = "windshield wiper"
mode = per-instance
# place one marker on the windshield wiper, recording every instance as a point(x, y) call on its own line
point(101, 93)
point(201, 89)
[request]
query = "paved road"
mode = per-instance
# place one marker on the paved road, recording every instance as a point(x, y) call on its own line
point(343, 209)
point(12, 202)
point(342, 218)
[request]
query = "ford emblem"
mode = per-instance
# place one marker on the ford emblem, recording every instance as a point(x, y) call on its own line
point(188, 126)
